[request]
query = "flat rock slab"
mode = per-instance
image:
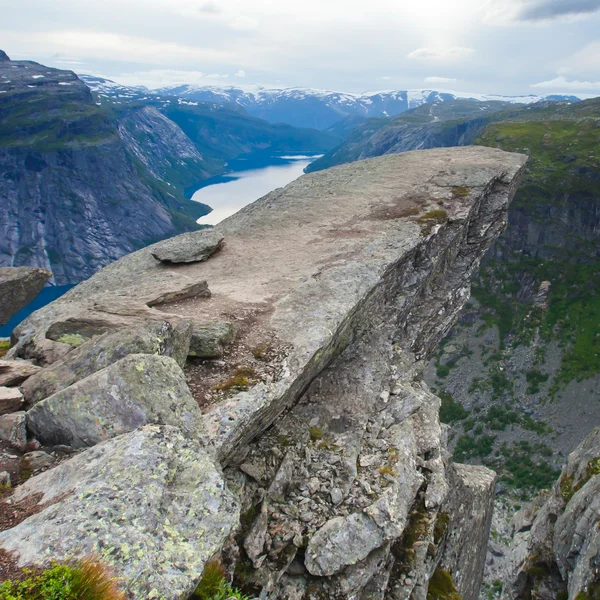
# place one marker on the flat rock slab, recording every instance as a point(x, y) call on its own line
point(11, 400)
point(14, 372)
point(137, 390)
point(18, 287)
point(196, 246)
point(150, 503)
point(312, 261)
point(161, 337)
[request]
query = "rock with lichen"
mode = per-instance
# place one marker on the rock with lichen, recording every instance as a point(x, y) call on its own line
point(137, 390)
point(161, 337)
point(152, 504)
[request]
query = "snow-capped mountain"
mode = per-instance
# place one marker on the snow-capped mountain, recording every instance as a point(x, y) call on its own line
point(302, 107)
point(321, 109)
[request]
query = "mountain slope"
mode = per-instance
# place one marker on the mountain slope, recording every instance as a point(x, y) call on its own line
point(74, 197)
point(435, 125)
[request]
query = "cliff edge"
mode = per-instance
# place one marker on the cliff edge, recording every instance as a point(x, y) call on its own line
point(304, 319)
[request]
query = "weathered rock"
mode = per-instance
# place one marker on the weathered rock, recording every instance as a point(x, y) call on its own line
point(13, 430)
point(161, 337)
point(195, 246)
point(37, 460)
point(137, 390)
point(11, 400)
point(150, 503)
point(5, 481)
point(14, 372)
point(18, 287)
point(469, 506)
point(209, 340)
point(556, 542)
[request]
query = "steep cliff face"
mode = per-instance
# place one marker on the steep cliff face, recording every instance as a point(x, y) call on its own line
point(74, 198)
point(331, 444)
point(556, 540)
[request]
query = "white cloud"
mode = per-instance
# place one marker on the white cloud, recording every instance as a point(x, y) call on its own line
point(440, 80)
point(386, 78)
point(562, 84)
point(240, 73)
point(217, 76)
point(448, 54)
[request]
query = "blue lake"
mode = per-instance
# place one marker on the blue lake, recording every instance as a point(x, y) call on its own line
point(251, 176)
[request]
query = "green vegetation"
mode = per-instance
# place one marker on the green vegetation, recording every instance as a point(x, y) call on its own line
point(460, 191)
point(239, 381)
point(315, 433)
point(214, 585)
point(84, 580)
point(519, 469)
point(441, 587)
point(568, 486)
point(450, 410)
point(4, 347)
point(534, 379)
point(562, 173)
point(468, 447)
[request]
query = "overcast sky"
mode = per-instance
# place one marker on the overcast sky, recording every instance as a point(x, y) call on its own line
point(496, 46)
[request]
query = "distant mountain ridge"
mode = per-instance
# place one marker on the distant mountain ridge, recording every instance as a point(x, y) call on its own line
point(305, 107)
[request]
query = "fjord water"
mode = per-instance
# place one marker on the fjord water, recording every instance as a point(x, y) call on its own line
point(251, 176)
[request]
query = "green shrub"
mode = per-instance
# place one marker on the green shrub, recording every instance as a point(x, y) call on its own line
point(450, 410)
point(441, 587)
point(214, 585)
point(84, 580)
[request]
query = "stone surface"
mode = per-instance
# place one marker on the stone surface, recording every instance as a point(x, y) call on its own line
point(5, 481)
point(14, 372)
point(195, 246)
point(161, 337)
point(556, 540)
point(349, 277)
point(150, 503)
point(470, 506)
point(18, 287)
point(138, 389)
point(209, 340)
point(37, 460)
point(13, 429)
point(11, 400)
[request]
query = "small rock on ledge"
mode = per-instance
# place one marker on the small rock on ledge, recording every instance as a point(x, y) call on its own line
point(195, 246)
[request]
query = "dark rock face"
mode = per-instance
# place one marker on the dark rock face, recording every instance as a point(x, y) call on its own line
point(74, 198)
point(18, 287)
point(3, 55)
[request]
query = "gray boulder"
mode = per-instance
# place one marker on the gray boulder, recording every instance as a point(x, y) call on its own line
point(18, 287)
point(208, 340)
point(195, 246)
point(163, 338)
point(11, 400)
point(150, 503)
point(13, 430)
point(137, 390)
point(14, 372)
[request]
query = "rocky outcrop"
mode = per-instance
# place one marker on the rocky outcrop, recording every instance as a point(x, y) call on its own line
point(105, 349)
point(556, 540)
point(152, 504)
point(18, 287)
point(338, 286)
point(137, 390)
